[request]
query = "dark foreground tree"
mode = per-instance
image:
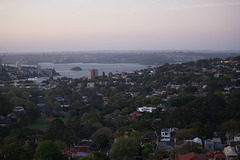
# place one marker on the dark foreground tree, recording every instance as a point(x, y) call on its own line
point(48, 150)
point(124, 148)
point(14, 151)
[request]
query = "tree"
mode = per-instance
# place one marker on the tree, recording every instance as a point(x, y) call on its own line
point(231, 127)
point(93, 120)
point(72, 113)
point(184, 134)
point(31, 111)
point(55, 130)
point(14, 151)
point(156, 100)
point(9, 140)
point(102, 137)
point(89, 157)
point(124, 148)
point(148, 149)
point(4, 106)
point(16, 101)
point(61, 144)
point(48, 150)
point(85, 116)
point(100, 156)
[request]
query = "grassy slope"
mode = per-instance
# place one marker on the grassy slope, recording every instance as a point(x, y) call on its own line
point(41, 124)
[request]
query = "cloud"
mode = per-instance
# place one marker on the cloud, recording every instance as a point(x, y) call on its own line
point(206, 5)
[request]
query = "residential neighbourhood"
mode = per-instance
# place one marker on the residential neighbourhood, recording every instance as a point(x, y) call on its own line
point(183, 111)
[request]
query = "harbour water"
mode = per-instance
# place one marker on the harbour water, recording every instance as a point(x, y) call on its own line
point(65, 68)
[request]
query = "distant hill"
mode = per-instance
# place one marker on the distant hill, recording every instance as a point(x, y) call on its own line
point(140, 57)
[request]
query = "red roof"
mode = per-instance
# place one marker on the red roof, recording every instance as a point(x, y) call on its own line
point(191, 156)
point(68, 152)
point(135, 114)
point(210, 155)
point(81, 148)
point(133, 119)
point(219, 154)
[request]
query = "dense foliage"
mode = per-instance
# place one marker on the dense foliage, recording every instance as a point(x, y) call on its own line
point(200, 98)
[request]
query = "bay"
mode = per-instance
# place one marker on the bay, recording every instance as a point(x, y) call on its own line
point(65, 68)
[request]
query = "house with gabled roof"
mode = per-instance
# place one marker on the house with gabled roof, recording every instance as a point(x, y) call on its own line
point(78, 151)
point(191, 156)
point(230, 153)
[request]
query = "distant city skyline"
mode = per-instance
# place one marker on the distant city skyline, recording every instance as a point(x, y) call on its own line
point(86, 25)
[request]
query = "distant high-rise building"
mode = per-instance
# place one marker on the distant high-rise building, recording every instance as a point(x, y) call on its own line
point(92, 73)
point(38, 68)
point(0, 65)
point(19, 65)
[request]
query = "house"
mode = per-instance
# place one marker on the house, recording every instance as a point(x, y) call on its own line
point(12, 115)
point(236, 138)
point(197, 140)
point(164, 147)
point(216, 155)
point(90, 85)
point(80, 85)
point(191, 156)
point(209, 145)
point(171, 97)
point(167, 132)
point(136, 114)
point(238, 150)
point(18, 109)
point(59, 98)
point(210, 155)
point(216, 140)
point(217, 143)
point(146, 109)
point(78, 151)
point(219, 155)
point(105, 100)
point(230, 153)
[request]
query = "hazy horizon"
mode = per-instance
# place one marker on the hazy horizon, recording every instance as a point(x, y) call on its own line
point(120, 51)
point(110, 25)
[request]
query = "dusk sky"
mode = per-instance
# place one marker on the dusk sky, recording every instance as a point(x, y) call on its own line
point(78, 25)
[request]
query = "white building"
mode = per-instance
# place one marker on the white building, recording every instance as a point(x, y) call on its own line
point(146, 109)
point(19, 65)
point(90, 85)
point(237, 138)
point(230, 153)
point(38, 68)
point(197, 140)
point(166, 133)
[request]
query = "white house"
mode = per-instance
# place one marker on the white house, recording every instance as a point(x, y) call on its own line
point(197, 140)
point(90, 85)
point(237, 138)
point(230, 153)
point(166, 133)
point(146, 109)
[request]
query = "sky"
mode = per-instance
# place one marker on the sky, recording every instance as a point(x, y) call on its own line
point(80, 25)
